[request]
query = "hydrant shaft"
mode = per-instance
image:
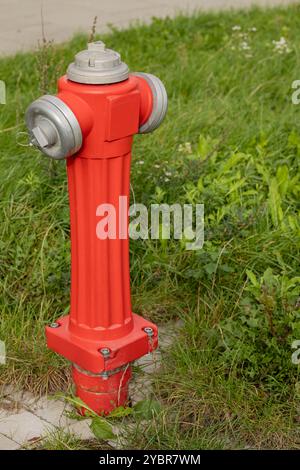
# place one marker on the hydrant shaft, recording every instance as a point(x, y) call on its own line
point(100, 285)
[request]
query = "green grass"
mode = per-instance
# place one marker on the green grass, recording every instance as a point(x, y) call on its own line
point(228, 382)
point(62, 440)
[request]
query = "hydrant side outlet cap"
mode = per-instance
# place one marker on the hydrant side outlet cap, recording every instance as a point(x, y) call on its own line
point(53, 127)
point(97, 66)
point(160, 102)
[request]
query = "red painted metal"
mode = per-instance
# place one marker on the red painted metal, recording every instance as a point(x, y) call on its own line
point(102, 393)
point(100, 314)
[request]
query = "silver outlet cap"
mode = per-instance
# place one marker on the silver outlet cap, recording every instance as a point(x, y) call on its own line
point(97, 65)
point(160, 102)
point(53, 127)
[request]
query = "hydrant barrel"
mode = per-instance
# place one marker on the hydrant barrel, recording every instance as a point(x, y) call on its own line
point(91, 122)
point(100, 280)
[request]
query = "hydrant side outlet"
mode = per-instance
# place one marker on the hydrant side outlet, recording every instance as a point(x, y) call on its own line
point(91, 122)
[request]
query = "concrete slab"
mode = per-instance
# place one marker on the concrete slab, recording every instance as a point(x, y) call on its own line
point(8, 444)
point(23, 427)
point(81, 429)
point(21, 25)
point(52, 411)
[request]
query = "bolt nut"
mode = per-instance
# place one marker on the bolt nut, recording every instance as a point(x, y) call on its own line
point(54, 325)
point(105, 352)
point(149, 331)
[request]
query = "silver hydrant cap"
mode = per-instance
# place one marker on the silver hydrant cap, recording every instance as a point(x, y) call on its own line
point(97, 65)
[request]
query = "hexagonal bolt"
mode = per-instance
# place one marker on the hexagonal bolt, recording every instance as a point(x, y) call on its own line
point(54, 325)
point(105, 352)
point(149, 331)
point(104, 376)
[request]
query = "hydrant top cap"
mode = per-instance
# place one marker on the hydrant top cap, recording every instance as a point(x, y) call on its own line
point(97, 65)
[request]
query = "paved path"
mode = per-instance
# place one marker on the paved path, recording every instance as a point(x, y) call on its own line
point(20, 21)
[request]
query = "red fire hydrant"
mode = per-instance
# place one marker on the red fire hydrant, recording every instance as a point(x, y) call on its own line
point(91, 123)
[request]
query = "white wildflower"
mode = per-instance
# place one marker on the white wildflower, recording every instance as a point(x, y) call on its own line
point(245, 46)
point(185, 148)
point(188, 147)
point(140, 162)
point(236, 28)
point(281, 46)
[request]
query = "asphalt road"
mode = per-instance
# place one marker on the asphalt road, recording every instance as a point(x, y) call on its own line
point(21, 25)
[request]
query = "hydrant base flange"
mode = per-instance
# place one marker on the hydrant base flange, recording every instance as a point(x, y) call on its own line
point(86, 352)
